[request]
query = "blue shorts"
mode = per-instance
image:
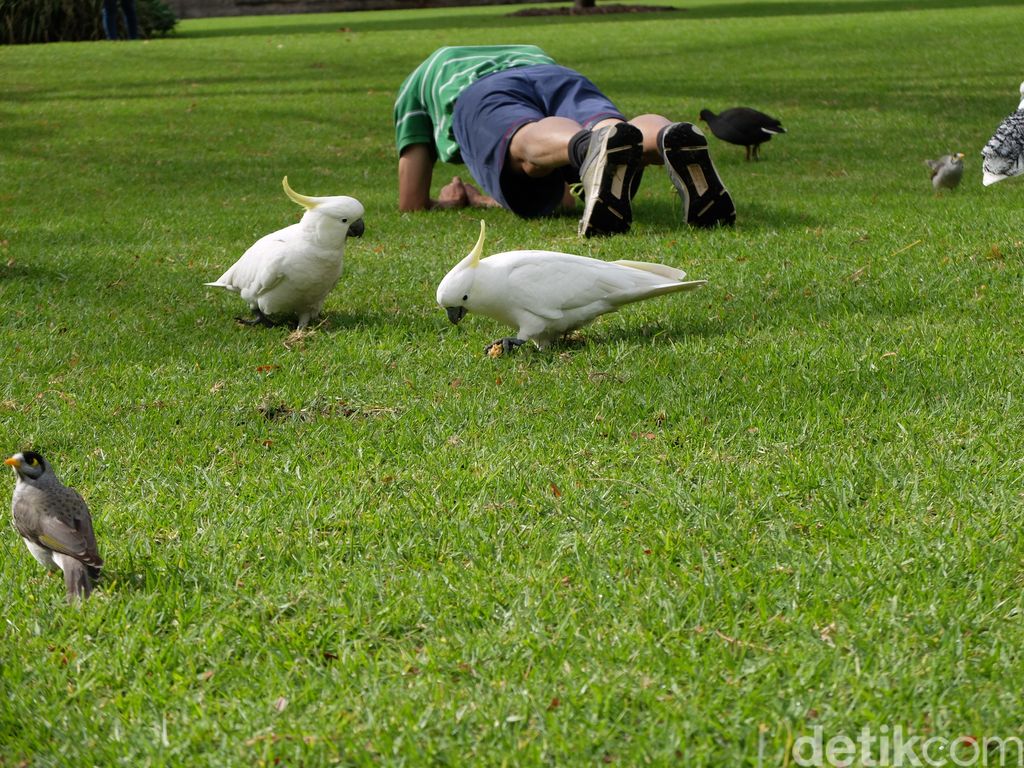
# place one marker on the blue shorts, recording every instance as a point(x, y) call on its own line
point(489, 112)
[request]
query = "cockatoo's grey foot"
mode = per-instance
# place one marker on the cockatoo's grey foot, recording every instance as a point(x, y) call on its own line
point(503, 346)
point(258, 318)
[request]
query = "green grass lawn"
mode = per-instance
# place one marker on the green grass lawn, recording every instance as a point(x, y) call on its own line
point(714, 523)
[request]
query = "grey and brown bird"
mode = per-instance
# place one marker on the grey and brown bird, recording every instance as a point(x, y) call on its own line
point(1004, 153)
point(947, 170)
point(744, 127)
point(54, 523)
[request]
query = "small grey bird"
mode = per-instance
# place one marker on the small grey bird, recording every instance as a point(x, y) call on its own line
point(947, 170)
point(54, 523)
point(1004, 152)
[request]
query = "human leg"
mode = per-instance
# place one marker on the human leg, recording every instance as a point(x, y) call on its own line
point(605, 150)
point(610, 174)
point(131, 20)
point(650, 125)
point(518, 128)
point(110, 14)
point(705, 200)
point(608, 161)
point(542, 146)
point(683, 150)
point(487, 118)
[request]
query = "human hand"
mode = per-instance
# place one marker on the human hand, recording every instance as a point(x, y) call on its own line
point(453, 195)
point(478, 199)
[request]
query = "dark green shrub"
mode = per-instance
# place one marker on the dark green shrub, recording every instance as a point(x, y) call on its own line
point(155, 18)
point(49, 21)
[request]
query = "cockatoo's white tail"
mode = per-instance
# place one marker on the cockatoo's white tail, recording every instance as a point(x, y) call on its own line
point(655, 269)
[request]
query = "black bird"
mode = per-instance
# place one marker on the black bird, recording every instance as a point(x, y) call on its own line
point(743, 126)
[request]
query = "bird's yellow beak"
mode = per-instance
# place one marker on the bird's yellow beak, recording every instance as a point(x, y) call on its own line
point(14, 461)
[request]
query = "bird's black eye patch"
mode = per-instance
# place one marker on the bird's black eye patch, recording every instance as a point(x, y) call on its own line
point(465, 297)
point(33, 459)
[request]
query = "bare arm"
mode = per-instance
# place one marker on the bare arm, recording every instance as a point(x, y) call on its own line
point(415, 171)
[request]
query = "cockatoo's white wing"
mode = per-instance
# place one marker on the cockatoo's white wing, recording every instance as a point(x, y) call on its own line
point(534, 281)
point(549, 284)
point(265, 263)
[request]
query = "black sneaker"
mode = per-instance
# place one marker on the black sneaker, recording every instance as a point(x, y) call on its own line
point(614, 159)
point(706, 201)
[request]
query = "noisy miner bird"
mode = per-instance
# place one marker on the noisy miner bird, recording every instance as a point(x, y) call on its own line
point(545, 294)
point(743, 126)
point(947, 170)
point(1004, 153)
point(288, 273)
point(54, 523)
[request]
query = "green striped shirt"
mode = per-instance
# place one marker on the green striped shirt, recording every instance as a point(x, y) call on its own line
point(426, 100)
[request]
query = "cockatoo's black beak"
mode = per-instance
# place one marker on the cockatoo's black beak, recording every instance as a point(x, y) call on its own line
point(455, 313)
point(356, 228)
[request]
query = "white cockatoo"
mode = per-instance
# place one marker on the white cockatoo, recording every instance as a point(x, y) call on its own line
point(288, 273)
point(1004, 153)
point(545, 294)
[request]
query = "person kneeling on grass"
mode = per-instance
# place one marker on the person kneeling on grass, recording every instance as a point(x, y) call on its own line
point(527, 128)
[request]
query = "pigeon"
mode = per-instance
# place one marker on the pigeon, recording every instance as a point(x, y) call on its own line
point(54, 523)
point(743, 126)
point(288, 273)
point(545, 294)
point(947, 170)
point(1004, 153)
